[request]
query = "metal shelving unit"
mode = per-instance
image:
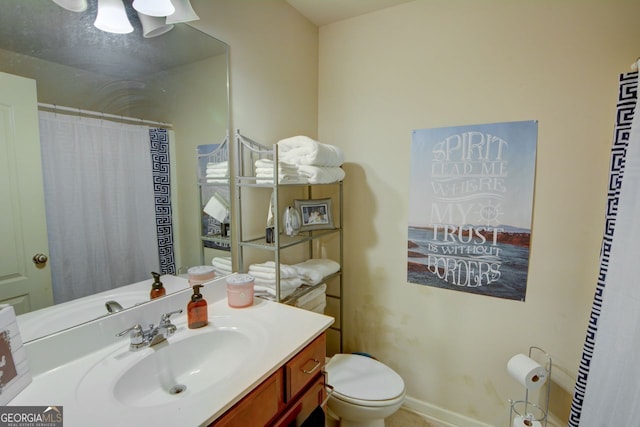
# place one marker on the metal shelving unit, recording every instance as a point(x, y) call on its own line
point(213, 234)
point(247, 152)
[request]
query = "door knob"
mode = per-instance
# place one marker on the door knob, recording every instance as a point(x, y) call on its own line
point(40, 259)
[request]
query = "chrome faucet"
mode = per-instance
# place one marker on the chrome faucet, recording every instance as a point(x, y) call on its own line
point(113, 306)
point(141, 338)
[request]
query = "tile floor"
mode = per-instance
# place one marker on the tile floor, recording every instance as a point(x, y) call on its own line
point(404, 418)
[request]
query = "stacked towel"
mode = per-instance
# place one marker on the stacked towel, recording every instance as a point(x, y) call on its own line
point(320, 174)
point(302, 150)
point(217, 172)
point(287, 173)
point(222, 265)
point(314, 270)
point(310, 272)
point(302, 160)
point(313, 298)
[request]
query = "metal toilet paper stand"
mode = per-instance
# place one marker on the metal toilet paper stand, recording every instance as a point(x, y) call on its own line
point(533, 413)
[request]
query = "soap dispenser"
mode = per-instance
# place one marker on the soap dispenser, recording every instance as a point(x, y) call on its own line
point(157, 288)
point(197, 309)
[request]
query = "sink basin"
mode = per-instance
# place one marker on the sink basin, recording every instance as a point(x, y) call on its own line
point(189, 362)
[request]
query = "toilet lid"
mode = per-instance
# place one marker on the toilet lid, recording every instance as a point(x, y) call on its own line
point(363, 378)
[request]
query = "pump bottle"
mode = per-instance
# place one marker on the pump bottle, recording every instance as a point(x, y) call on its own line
point(157, 288)
point(197, 315)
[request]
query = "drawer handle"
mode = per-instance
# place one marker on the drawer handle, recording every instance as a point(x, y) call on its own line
point(316, 366)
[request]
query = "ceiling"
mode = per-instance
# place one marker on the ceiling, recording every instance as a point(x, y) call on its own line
point(322, 12)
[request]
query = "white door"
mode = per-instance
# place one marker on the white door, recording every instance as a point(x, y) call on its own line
point(23, 231)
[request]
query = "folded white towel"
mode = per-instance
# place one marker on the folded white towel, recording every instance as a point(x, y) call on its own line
point(267, 270)
point(286, 179)
point(217, 173)
point(222, 265)
point(302, 150)
point(220, 165)
point(224, 261)
point(287, 286)
point(217, 207)
point(319, 308)
point(317, 293)
point(314, 270)
point(217, 180)
point(321, 174)
point(269, 171)
point(268, 163)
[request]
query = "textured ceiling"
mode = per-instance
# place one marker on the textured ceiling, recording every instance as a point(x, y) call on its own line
point(33, 28)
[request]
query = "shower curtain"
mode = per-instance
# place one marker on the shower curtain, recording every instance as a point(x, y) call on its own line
point(99, 201)
point(607, 391)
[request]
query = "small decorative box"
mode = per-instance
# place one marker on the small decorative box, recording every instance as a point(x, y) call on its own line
point(14, 370)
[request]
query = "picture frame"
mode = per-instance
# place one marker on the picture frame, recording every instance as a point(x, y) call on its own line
point(315, 214)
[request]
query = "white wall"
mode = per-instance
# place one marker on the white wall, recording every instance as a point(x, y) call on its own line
point(437, 63)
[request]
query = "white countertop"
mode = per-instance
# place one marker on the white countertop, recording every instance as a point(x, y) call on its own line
point(60, 362)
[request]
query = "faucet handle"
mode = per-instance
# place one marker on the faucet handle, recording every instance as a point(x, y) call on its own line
point(135, 329)
point(137, 335)
point(164, 319)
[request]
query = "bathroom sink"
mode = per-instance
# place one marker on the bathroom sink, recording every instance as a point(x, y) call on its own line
point(186, 364)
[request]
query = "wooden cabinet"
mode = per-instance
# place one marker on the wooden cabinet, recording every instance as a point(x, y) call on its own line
point(287, 397)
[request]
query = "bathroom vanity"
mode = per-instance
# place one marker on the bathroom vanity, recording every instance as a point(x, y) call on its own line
point(262, 363)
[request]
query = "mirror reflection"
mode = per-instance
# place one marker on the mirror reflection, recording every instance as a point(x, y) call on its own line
point(109, 194)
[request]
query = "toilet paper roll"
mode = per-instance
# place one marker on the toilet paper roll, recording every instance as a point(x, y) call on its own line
point(526, 371)
point(521, 421)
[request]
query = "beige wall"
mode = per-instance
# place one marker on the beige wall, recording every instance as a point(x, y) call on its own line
point(274, 65)
point(439, 63)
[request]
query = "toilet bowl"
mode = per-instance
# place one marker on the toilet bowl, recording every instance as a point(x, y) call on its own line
point(365, 391)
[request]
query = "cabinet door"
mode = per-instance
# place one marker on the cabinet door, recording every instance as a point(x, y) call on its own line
point(305, 367)
point(304, 406)
point(258, 408)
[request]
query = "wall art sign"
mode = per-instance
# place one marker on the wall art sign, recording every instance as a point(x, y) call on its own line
point(470, 207)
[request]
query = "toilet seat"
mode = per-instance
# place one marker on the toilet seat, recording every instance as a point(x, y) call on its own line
point(364, 381)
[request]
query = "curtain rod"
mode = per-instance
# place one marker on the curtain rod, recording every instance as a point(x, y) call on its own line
point(87, 113)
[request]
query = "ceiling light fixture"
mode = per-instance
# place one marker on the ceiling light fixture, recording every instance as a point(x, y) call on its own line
point(72, 5)
point(112, 17)
point(153, 26)
point(154, 7)
point(184, 12)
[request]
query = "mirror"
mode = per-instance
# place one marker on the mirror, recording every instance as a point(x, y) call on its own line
point(180, 77)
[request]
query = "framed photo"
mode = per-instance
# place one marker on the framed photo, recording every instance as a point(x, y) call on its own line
point(315, 214)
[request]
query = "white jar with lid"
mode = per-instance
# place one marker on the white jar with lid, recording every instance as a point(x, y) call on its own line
point(200, 274)
point(240, 290)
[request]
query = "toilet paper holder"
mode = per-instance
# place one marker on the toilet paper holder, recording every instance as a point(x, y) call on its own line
point(533, 411)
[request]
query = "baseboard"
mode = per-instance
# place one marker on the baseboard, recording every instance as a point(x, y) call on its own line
point(439, 415)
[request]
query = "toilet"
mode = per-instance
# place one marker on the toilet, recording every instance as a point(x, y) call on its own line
point(365, 391)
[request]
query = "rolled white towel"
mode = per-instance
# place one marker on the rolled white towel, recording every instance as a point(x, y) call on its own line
point(302, 150)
